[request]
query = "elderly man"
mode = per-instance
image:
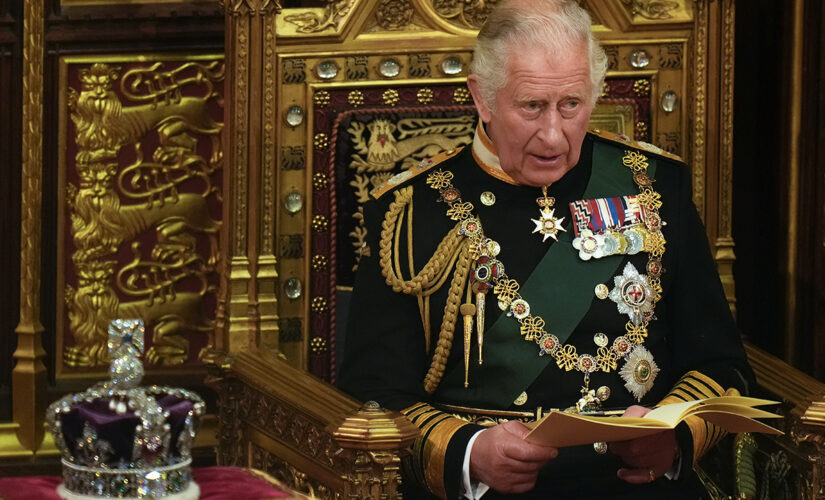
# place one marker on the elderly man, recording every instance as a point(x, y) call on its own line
point(573, 269)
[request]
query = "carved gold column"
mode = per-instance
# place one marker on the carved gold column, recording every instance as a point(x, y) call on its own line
point(712, 141)
point(29, 375)
point(248, 304)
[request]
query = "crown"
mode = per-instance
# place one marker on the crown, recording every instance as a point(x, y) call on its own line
point(120, 440)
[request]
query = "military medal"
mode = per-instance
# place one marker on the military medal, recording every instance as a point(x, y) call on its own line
point(548, 225)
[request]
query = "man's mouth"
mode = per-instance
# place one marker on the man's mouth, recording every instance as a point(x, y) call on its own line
point(547, 160)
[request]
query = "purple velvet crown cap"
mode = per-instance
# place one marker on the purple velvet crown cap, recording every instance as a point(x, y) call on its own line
point(118, 439)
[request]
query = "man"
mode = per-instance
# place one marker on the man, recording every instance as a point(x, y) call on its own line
point(545, 267)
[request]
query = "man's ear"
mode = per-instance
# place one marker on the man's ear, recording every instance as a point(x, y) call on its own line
point(481, 105)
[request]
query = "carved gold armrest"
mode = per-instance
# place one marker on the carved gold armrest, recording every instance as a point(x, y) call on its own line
point(793, 463)
point(305, 432)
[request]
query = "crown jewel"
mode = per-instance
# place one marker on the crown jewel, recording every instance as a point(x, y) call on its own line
point(120, 440)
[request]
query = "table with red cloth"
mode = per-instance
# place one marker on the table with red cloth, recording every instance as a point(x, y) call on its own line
point(215, 483)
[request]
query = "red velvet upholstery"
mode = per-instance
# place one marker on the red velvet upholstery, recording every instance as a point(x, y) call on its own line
point(215, 483)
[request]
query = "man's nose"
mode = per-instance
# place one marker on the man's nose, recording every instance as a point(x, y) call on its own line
point(551, 128)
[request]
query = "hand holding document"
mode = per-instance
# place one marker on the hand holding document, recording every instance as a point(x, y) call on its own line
point(732, 413)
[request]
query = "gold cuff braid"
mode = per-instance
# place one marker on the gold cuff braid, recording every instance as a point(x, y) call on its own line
point(430, 448)
point(692, 386)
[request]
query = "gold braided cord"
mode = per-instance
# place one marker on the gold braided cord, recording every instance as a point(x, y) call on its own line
point(435, 267)
point(452, 251)
point(445, 338)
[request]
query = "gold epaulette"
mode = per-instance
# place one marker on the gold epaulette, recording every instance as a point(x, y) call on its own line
point(627, 141)
point(422, 166)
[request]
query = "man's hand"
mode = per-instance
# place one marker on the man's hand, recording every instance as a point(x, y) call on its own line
point(504, 461)
point(649, 457)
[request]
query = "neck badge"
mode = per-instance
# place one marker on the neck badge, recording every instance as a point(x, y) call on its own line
point(548, 225)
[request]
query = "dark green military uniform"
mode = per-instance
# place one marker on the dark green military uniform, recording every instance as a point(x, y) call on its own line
point(692, 333)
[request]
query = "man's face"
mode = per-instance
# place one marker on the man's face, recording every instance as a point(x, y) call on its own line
point(541, 114)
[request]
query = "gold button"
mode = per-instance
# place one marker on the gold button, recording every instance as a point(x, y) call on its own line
point(521, 399)
point(601, 291)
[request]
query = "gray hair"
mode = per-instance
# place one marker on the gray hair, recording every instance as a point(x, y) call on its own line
point(556, 25)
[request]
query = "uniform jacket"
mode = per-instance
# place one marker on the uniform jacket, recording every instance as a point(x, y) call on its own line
point(692, 338)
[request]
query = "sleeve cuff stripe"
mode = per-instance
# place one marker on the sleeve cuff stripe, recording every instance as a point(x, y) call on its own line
point(714, 387)
point(701, 392)
point(430, 428)
point(685, 395)
point(700, 386)
point(414, 408)
point(432, 421)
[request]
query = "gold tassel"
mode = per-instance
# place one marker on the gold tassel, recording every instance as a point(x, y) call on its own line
point(480, 303)
point(467, 311)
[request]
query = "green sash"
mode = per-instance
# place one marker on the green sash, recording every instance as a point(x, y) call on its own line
point(511, 364)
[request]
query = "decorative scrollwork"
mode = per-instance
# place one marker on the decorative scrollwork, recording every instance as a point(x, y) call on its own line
point(394, 14)
point(466, 13)
point(651, 9)
point(310, 22)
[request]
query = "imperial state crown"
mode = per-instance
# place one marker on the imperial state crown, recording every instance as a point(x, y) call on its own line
point(120, 440)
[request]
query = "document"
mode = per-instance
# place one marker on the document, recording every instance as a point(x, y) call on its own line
point(732, 413)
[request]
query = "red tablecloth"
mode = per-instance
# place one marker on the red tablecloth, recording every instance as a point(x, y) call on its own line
point(215, 483)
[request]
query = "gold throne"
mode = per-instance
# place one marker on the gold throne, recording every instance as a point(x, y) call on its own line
point(325, 103)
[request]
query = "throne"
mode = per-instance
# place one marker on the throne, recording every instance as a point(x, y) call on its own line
point(326, 103)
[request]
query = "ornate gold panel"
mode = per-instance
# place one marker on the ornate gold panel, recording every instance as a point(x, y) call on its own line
point(140, 205)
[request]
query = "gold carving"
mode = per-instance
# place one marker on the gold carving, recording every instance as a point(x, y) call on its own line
point(310, 22)
point(294, 70)
point(420, 65)
point(700, 72)
point(726, 153)
point(464, 13)
point(670, 56)
point(394, 14)
point(101, 224)
point(651, 9)
point(269, 129)
point(357, 68)
point(29, 373)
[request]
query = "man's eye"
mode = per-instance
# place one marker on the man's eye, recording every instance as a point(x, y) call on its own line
point(532, 106)
point(572, 104)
